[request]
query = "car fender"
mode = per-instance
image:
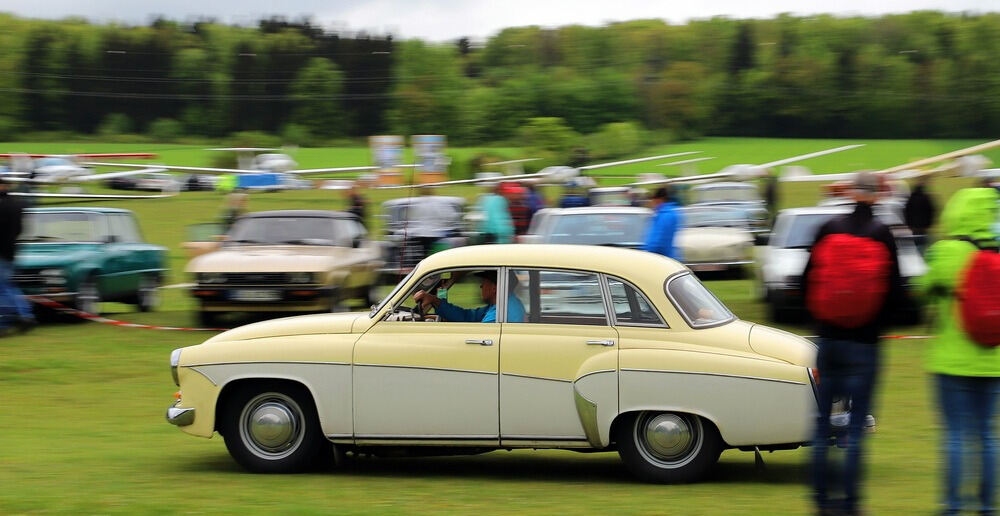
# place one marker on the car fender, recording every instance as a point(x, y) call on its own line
point(752, 401)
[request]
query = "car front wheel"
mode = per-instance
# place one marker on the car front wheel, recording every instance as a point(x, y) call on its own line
point(88, 297)
point(668, 447)
point(148, 295)
point(274, 429)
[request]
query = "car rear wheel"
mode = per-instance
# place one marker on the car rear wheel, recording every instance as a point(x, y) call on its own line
point(668, 447)
point(273, 428)
point(148, 295)
point(88, 296)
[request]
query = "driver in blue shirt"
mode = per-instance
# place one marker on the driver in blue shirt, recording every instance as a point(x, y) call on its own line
point(488, 313)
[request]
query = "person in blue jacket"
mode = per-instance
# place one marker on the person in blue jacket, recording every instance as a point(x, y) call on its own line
point(666, 221)
point(488, 313)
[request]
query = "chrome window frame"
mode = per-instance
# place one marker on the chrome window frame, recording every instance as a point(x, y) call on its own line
point(614, 314)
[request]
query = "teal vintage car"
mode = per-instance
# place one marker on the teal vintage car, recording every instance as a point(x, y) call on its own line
point(83, 256)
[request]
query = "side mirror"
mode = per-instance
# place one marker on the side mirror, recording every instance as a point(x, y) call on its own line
point(762, 239)
point(356, 243)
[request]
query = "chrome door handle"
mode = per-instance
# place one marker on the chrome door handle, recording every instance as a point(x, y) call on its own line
point(599, 342)
point(481, 342)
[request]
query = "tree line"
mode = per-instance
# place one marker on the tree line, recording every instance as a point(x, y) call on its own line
point(924, 74)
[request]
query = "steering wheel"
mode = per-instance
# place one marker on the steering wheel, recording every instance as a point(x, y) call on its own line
point(419, 312)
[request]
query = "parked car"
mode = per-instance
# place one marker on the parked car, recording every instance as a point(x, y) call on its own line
point(83, 256)
point(784, 259)
point(654, 366)
point(286, 261)
point(409, 219)
point(715, 238)
point(157, 182)
point(736, 195)
point(617, 226)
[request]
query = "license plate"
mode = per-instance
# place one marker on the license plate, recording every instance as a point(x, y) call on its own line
point(255, 295)
point(706, 267)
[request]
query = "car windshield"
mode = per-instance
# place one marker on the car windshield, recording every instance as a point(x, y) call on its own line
point(291, 230)
point(425, 211)
point(60, 227)
point(698, 306)
point(598, 229)
point(799, 231)
point(713, 217)
point(726, 194)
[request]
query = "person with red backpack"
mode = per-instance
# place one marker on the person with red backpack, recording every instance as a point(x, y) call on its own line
point(852, 288)
point(963, 281)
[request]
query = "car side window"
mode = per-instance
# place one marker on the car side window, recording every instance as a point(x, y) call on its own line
point(125, 229)
point(460, 288)
point(631, 306)
point(558, 297)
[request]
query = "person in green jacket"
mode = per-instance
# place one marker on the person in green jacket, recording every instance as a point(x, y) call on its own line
point(967, 374)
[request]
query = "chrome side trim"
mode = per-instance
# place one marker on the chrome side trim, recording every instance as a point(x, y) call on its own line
point(543, 437)
point(203, 373)
point(587, 410)
point(594, 372)
point(428, 437)
point(339, 436)
point(425, 368)
point(269, 362)
point(537, 377)
point(776, 380)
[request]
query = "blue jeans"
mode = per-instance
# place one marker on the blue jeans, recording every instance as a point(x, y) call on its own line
point(12, 302)
point(968, 405)
point(847, 369)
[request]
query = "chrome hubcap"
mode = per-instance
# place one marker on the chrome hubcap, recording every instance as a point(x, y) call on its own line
point(668, 439)
point(271, 425)
point(90, 299)
point(148, 293)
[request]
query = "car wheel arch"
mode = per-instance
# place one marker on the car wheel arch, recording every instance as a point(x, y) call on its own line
point(235, 385)
point(624, 416)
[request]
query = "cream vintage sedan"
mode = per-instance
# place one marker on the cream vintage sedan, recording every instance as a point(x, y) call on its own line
point(589, 348)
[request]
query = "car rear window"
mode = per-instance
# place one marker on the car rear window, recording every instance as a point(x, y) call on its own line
point(599, 229)
point(699, 307)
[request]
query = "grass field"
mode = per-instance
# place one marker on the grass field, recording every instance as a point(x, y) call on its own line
point(83, 428)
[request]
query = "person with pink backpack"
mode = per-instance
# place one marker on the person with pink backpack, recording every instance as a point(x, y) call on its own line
point(852, 288)
point(963, 282)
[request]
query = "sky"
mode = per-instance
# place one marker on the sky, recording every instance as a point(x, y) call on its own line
point(441, 20)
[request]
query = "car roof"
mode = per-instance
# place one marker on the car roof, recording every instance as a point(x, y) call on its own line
point(636, 266)
point(88, 209)
point(585, 210)
point(410, 200)
point(300, 213)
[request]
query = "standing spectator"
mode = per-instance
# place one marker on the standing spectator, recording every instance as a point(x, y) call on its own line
point(535, 199)
point(850, 319)
point(14, 308)
point(517, 205)
point(358, 203)
point(236, 206)
point(919, 213)
point(771, 194)
point(496, 225)
point(967, 374)
point(666, 221)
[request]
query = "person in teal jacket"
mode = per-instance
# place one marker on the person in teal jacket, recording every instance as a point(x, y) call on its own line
point(497, 227)
point(967, 374)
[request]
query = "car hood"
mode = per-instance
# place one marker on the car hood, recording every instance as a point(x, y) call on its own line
point(285, 258)
point(317, 324)
point(37, 255)
point(712, 237)
point(782, 345)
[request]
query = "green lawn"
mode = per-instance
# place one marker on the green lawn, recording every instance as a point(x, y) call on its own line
point(83, 428)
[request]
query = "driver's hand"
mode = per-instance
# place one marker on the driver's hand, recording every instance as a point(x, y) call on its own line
point(425, 298)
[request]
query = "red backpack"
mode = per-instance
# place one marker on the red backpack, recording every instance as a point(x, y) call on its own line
point(848, 281)
point(979, 299)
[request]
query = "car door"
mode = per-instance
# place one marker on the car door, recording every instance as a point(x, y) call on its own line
point(559, 362)
point(420, 382)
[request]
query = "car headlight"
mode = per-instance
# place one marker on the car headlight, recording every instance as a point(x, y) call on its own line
point(53, 276)
point(300, 277)
point(175, 360)
point(211, 277)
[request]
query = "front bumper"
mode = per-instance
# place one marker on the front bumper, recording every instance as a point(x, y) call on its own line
point(180, 416)
point(277, 298)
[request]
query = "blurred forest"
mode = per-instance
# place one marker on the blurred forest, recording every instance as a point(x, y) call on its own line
point(916, 75)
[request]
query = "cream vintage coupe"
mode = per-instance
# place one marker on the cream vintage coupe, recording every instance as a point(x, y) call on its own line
point(531, 346)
